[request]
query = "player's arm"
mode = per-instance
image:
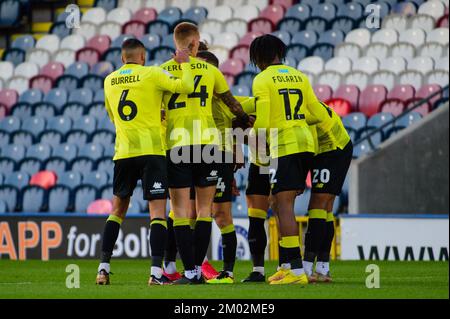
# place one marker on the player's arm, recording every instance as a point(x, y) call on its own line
point(166, 82)
point(262, 104)
point(108, 107)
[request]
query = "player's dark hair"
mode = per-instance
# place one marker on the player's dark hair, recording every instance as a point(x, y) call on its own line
point(266, 48)
point(208, 57)
point(132, 44)
point(203, 46)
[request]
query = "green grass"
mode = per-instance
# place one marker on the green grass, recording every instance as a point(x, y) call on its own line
point(37, 279)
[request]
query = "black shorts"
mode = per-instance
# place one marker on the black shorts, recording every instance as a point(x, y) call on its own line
point(290, 172)
point(193, 170)
point(224, 188)
point(258, 184)
point(328, 170)
point(151, 169)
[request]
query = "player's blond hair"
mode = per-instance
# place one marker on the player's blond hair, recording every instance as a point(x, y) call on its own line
point(184, 34)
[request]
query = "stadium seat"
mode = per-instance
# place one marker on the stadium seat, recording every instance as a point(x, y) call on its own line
point(355, 121)
point(8, 98)
point(26, 69)
point(23, 42)
point(92, 151)
point(77, 137)
point(357, 78)
point(402, 92)
point(291, 25)
point(50, 137)
point(73, 42)
point(350, 10)
point(283, 36)
point(159, 27)
point(317, 24)
point(4, 137)
point(94, 15)
point(312, 64)
point(362, 149)
point(82, 165)
point(386, 78)
point(83, 196)
point(44, 110)
point(429, 89)
point(10, 124)
point(39, 151)
point(30, 165)
point(424, 109)
point(349, 93)
point(408, 119)
point(302, 202)
point(35, 125)
point(3, 207)
point(396, 22)
point(323, 92)
point(23, 138)
point(360, 37)
point(393, 64)
point(196, 14)
point(100, 207)
point(97, 179)
point(162, 53)
point(44, 179)
point(145, 15)
point(70, 179)
point(386, 36)
point(15, 56)
point(340, 106)
point(349, 50)
point(232, 66)
point(134, 28)
point(88, 55)
point(66, 151)
point(393, 106)
point(10, 12)
point(433, 8)
point(413, 78)
point(423, 22)
point(105, 164)
point(83, 96)
point(7, 164)
point(60, 29)
point(17, 179)
point(332, 37)
point(342, 65)
point(9, 195)
point(21, 110)
point(241, 90)
point(299, 11)
point(6, 70)
point(41, 82)
point(64, 56)
point(331, 78)
point(297, 51)
point(368, 65)
point(173, 14)
point(307, 38)
point(59, 199)
point(33, 199)
point(343, 24)
point(263, 25)
point(380, 119)
point(101, 43)
point(325, 10)
point(371, 99)
point(439, 77)
point(57, 165)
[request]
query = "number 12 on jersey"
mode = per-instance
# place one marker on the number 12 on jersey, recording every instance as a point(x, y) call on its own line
point(287, 93)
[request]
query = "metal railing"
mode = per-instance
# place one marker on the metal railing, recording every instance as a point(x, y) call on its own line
point(391, 122)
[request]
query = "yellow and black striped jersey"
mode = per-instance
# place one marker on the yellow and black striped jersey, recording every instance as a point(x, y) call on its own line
point(189, 116)
point(283, 95)
point(133, 97)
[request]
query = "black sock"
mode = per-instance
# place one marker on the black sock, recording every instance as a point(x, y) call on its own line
point(110, 234)
point(202, 237)
point(185, 244)
point(283, 258)
point(229, 244)
point(257, 240)
point(324, 252)
point(294, 257)
point(158, 240)
point(314, 238)
point(170, 254)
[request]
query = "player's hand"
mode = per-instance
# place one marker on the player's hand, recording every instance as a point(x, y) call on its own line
point(234, 190)
point(182, 56)
point(244, 122)
point(163, 114)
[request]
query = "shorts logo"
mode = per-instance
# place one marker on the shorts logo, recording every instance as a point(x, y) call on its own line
point(212, 176)
point(213, 173)
point(157, 189)
point(157, 185)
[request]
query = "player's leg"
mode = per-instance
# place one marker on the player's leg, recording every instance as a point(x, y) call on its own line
point(170, 253)
point(126, 174)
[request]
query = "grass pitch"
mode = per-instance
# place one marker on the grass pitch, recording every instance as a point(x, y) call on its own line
point(37, 279)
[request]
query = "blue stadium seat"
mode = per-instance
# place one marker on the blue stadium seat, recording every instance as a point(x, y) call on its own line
point(114, 56)
point(59, 199)
point(94, 82)
point(343, 24)
point(323, 50)
point(307, 38)
point(77, 137)
point(317, 24)
point(352, 10)
point(385, 8)
point(99, 97)
point(284, 36)
point(324, 10)
point(3, 207)
point(297, 51)
point(106, 124)
point(39, 151)
point(168, 41)
point(15, 152)
point(2, 178)
point(102, 69)
point(17, 179)
point(34, 199)
point(23, 138)
point(35, 125)
point(51, 137)
point(353, 133)
point(380, 119)
point(15, 56)
point(408, 119)
point(83, 96)
point(103, 137)
point(60, 29)
point(24, 42)
point(98, 111)
point(57, 97)
point(374, 139)
point(239, 206)
point(109, 151)
point(9, 12)
point(10, 124)
point(333, 37)
point(7, 165)
point(82, 165)
point(21, 110)
point(60, 124)
point(77, 69)
point(108, 5)
point(44, 110)
point(85, 123)
point(30, 165)
point(134, 207)
point(97, 179)
point(56, 164)
point(245, 78)
point(4, 138)
point(196, 14)
point(117, 42)
point(363, 2)
point(162, 53)
point(83, 196)
point(362, 149)
point(66, 151)
point(170, 15)
point(69, 179)
point(159, 27)
point(291, 25)
point(241, 90)
point(74, 111)
point(302, 202)
point(106, 192)
point(31, 96)
point(150, 41)
point(62, 17)
point(92, 151)
point(67, 82)
point(355, 121)
point(10, 195)
point(105, 164)
point(300, 11)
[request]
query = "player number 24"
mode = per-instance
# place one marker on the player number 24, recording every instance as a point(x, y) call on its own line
point(202, 95)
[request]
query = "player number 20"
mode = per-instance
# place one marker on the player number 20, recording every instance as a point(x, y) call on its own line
point(322, 176)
